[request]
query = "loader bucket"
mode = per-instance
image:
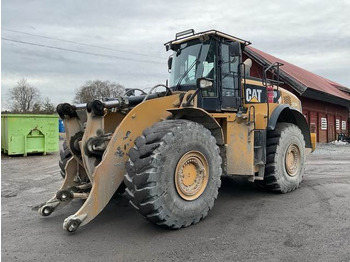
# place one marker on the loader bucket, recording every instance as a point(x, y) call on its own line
point(97, 167)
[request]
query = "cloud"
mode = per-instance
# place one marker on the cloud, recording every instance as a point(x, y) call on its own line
point(312, 34)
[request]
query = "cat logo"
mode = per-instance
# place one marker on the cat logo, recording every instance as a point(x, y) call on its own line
point(254, 100)
point(253, 95)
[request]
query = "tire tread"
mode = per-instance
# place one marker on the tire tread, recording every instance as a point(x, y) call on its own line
point(142, 171)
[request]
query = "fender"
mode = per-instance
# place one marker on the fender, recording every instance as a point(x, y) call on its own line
point(285, 113)
point(200, 116)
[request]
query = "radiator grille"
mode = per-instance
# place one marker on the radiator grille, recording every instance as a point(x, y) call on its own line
point(287, 100)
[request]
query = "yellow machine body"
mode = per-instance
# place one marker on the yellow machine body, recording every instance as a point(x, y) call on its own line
point(117, 127)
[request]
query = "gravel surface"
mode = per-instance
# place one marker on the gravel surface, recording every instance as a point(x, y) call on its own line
point(309, 224)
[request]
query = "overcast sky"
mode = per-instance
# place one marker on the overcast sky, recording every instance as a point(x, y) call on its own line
point(314, 35)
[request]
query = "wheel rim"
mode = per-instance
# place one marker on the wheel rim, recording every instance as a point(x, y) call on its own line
point(191, 175)
point(293, 160)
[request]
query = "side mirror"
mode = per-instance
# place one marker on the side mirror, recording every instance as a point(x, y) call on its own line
point(202, 84)
point(170, 62)
point(205, 83)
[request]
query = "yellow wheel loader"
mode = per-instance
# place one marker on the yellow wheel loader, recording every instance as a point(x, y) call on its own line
point(169, 148)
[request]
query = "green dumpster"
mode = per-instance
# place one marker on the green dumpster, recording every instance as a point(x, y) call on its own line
point(22, 134)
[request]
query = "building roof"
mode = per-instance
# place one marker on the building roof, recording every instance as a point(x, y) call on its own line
point(299, 78)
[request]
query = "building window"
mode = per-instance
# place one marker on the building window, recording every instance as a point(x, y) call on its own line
point(337, 124)
point(343, 125)
point(323, 123)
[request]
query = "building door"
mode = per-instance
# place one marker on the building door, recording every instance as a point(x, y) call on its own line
point(323, 128)
point(331, 128)
point(314, 124)
point(337, 126)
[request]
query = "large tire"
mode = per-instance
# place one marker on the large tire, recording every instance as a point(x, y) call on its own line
point(285, 159)
point(155, 164)
point(65, 155)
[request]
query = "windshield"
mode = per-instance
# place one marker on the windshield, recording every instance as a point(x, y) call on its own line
point(192, 60)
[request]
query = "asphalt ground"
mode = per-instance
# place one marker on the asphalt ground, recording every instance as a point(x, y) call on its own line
point(246, 224)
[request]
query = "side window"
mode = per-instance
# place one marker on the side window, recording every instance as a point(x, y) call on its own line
point(209, 71)
point(229, 70)
point(225, 67)
point(230, 85)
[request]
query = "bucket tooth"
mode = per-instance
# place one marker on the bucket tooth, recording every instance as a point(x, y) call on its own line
point(72, 223)
point(47, 208)
point(72, 170)
point(100, 194)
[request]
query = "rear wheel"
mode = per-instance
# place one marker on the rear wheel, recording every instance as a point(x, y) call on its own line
point(285, 159)
point(173, 174)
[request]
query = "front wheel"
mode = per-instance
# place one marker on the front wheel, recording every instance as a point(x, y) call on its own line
point(173, 174)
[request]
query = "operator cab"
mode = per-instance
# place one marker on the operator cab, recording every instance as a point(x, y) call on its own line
point(212, 55)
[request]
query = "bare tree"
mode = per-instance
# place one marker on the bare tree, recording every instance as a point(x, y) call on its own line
point(23, 97)
point(36, 108)
point(48, 107)
point(97, 89)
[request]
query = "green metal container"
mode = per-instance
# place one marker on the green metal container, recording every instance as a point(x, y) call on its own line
point(23, 134)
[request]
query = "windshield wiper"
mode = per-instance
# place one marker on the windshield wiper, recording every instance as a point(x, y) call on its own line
point(186, 72)
point(189, 69)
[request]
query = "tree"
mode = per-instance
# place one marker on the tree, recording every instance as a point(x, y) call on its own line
point(97, 89)
point(24, 97)
point(36, 108)
point(48, 107)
